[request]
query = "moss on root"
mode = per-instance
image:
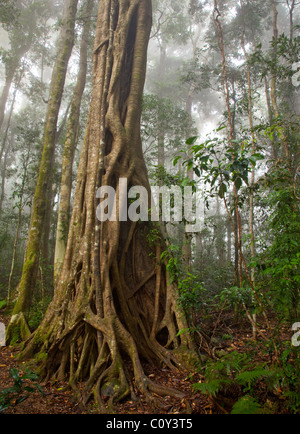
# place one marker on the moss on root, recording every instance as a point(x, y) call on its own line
point(187, 357)
point(18, 330)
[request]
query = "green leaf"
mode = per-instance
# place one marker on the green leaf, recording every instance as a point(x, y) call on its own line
point(212, 387)
point(39, 388)
point(3, 407)
point(192, 140)
point(258, 156)
point(255, 158)
point(222, 190)
point(238, 183)
point(14, 373)
point(29, 389)
point(175, 161)
point(197, 171)
point(30, 376)
point(21, 399)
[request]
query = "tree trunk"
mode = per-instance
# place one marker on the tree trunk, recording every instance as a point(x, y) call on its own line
point(115, 300)
point(11, 67)
point(5, 92)
point(20, 207)
point(3, 175)
point(252, 182)
point(188, 237)
point(275, 59)
point(70, 146)
point(161, 157)
point(30, 268)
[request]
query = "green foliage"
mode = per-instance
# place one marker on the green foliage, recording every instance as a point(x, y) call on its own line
point(219, 373)
point(236, 296)
point(221, 165)
point(246, 405)
point(282, 258)
point(163, 125)
point(190, 292)
point(172, 261)
point(8, 13)
point(286, 52)
point(239, 370)
point(37, 313)
point(19, 392)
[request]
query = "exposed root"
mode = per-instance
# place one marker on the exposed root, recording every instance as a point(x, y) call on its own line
point(115, 307)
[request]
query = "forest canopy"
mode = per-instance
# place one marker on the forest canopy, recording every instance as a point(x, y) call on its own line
point(149, 200)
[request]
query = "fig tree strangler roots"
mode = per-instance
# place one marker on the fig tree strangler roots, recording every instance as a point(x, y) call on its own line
point(108, 350)
point(115, 306)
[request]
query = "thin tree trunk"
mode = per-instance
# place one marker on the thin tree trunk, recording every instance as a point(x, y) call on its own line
point(252, 182)
point(231, 137)
point(30, 269)
point(17, 233)
point(275, 56)
point(3, 145)
point(187, 237)
point(229, 242)
point(291, 7)
point(3, 175)
point(274, 101)
point(161, 133)
point(3, 148)
point(70, 147)
point(10, 71)
point(5, 94)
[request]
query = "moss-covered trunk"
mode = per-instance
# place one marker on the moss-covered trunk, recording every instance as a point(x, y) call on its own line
point(115, 306)
point(29, 274)
point(71, 143)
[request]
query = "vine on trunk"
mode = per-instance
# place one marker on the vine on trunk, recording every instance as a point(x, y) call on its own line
point(115, 305)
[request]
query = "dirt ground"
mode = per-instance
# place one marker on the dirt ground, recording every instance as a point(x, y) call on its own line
point(59, 400)
point(56, 400)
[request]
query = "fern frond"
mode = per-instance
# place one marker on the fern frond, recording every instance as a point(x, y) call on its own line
point(212, 387)
point(248, 378)
point(246, 405)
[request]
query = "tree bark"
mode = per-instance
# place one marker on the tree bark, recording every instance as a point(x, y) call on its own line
point(188, 237)
point(275, 60)
point(252, 182)
point(30, 268)
point(6, 148)
point(71, 141)
point(11, 66)
point(114, 300)
point(9, 76)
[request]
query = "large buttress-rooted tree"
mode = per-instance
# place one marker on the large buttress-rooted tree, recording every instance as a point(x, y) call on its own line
point(115, 306)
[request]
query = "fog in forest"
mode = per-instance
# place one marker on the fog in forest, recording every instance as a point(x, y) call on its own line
point(220, 114)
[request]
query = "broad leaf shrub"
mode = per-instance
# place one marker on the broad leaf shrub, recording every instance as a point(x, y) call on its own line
point(21, 389)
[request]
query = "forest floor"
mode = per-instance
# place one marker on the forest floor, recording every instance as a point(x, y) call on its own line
point(57, 400)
